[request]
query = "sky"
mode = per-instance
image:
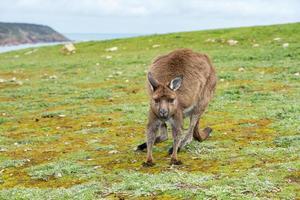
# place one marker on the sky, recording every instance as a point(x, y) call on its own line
point(148, 16)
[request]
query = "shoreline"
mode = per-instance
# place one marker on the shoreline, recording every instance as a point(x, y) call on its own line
point(74, 38)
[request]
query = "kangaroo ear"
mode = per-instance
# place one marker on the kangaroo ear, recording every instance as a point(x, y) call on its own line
point(176, 83)
point(152, 81)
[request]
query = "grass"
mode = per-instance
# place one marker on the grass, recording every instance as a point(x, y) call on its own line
point(69, 123)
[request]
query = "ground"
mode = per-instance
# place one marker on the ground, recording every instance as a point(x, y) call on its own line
point(69, 124)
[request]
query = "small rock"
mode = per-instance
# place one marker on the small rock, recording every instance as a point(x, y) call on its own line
point(93, 141)
point(2, 80)
point(155, 45)
point(27, 149)
point(113, 152)
point(232, 42)
point(57, 175)
point(2, 149)
point(275, 190)
point(97, 64)
point(277, 39)
point(285, 45)
point(112, 49)
point(96, 167)
point(53, 77)
point(28, 53)
point(222, 80)
point(255, 45)
point(68, 48)
point(89, 124)
point(241, 69)
point(19, 82)
point(126, 80)
point(210, 40)
point(16, 56)
point(297, 74)
point(61, 115)
point(108, 57)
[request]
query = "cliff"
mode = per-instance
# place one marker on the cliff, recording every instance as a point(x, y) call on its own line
point(20, 33)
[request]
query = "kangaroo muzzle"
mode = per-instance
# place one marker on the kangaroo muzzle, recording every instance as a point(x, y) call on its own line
point(163, 113)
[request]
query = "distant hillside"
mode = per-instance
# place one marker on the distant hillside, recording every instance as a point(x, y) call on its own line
point(20, 33)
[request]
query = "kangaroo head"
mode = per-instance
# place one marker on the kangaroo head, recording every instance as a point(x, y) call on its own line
point(164, 102)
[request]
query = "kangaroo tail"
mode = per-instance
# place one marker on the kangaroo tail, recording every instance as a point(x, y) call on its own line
point(200, 135)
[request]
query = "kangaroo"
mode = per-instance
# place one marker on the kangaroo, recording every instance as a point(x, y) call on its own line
point(180, 84)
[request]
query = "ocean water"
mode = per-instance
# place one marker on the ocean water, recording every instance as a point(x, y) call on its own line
point(80, 37)
point(76, 37)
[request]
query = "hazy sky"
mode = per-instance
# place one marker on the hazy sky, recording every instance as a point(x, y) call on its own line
point(147, 16)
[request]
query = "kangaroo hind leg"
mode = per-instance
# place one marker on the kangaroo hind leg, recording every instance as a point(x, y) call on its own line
point(161, 138)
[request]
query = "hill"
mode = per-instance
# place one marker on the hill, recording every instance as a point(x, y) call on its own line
point(69, 123)
point(20, 33)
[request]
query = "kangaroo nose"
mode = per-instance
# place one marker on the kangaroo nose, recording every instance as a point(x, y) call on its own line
point(163, 112)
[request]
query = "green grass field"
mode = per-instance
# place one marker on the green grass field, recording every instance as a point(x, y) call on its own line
point(69, 123)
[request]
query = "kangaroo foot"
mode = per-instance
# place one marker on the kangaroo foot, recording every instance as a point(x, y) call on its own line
point(141, 147)
point(175, 162)
point(202, 135)
point(171, 150)
point(148, 164)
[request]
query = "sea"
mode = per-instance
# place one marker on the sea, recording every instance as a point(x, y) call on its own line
point(75, 37)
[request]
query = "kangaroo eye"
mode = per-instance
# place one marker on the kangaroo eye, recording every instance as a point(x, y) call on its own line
point(171, 100)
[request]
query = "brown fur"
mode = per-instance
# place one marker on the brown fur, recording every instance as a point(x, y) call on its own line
point(196, 90)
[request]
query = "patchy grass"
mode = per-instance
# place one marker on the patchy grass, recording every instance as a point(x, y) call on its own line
point(77, 192)
point(69, 124)
point(6, 163)
point(58, 170)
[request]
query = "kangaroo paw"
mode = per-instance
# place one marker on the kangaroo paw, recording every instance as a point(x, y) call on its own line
point(141, 147)
point(175, 162)
point(148, 164)
point(171, 150)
